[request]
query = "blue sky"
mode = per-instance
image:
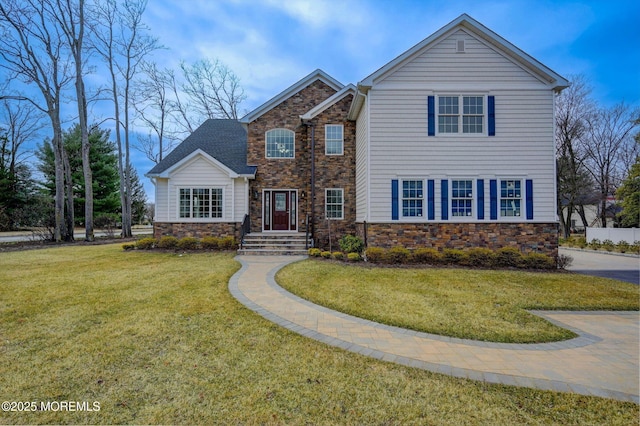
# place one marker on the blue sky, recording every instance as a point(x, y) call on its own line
point(270, 44)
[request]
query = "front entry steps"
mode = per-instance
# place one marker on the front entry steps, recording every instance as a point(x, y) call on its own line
point(274, 243)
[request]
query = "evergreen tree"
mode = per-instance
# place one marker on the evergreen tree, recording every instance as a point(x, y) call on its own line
point(138, 198)
point(629, 193)
point(103, 165)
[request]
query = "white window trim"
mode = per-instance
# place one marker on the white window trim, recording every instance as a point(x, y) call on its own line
point(522, 198)
point(326, 139)
point(474, 201)
point(326, 198)
point(266, 144)
point(401, 215)
point(199, 219)
point(485, 115)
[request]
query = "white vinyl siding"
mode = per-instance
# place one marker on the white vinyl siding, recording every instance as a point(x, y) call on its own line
point(200, 173)
point(400, 147)
point(362, 166)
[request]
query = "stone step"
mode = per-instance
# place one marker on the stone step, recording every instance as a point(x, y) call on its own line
point(274, 244)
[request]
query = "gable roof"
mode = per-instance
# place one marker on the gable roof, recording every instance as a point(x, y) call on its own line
point(349, 89)
point(556, 81)
point(290, 91)
point(222, 140)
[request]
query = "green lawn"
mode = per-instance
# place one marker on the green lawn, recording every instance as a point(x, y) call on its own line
point(465, 303)
point(157, 338)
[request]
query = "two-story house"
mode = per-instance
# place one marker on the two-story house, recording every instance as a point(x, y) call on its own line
point(451, 144)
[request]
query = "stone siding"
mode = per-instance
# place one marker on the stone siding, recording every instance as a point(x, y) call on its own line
point(330, 171)
point(198, 230)
point(527, 237)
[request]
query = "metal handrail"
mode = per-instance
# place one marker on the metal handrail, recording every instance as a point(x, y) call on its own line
point(245, 229)
point(306, 239)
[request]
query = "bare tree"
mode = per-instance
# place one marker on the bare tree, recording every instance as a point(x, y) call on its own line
point(214, 90)
point(609, 133)
point(154, 106)
point(122, 42)
point(33, 51)
point(70, 16)
point(574, 186)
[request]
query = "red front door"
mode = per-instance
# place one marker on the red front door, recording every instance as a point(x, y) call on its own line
point(280, 210)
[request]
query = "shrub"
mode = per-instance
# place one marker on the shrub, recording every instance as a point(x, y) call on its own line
point(314, 252)
point(326, 254)
point(354, 257)
point(623, 246)
point(129, 246)
point(564, 261)
point(480, 257)
point(397, 256)
point(454, 256)
point(227, 243)
point(635, 248)
point(538, 261)
point(581, 242)
point(188, 243)
point(351, 244)
point(210, 243)
point(508, 257)
point(168, 242)
point(374, 254)
point(595, 244)
point(337, 255)
point(146, 243)
point(429, 256)
point(608, 245)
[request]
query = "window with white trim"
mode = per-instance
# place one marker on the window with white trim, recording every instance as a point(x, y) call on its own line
point(280, 143)
point(510, 198)
point(334, 139)
point(334, 203)
point(412, 198)
point(200, 203)
point(462, 198)
point(461, 114)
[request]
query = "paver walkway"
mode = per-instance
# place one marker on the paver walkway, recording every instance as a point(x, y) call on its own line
point(602, 361)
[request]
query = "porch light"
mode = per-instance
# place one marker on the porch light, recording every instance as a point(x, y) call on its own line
point(255, 194)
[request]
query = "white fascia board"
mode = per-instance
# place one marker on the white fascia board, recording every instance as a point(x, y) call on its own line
point(312, 113)
point(290, 91)
point(198, 152)
point(556, 81)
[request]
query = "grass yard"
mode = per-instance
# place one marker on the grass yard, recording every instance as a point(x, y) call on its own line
point(465, 303)
point(157, 338)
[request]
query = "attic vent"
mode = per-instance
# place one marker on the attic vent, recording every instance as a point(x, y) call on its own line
point(460, 46)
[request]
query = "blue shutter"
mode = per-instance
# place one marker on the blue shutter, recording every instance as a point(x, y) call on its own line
point(431, 204)
point(431, 114)
point(529, 199)
point(394, 199)
point(491, 107)
point(480, 184)
point(445, 198)
point(493, 203)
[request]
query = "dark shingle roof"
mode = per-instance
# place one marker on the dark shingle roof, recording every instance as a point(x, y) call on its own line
point(224, 140)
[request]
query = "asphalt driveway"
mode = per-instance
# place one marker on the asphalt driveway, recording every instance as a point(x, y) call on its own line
point(616, 266)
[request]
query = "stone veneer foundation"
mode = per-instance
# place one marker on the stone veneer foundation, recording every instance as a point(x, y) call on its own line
point(198, 230)
point(527, 237)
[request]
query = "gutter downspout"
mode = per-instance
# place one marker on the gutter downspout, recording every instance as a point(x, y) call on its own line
point(313, 178)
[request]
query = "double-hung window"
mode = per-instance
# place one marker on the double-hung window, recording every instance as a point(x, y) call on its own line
point(461, 114)
point(462, 198)
point(334, 139)
point(412, 198)
point(334, 203)
point(280, 143)
point(200, 203)
point(510, 198)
